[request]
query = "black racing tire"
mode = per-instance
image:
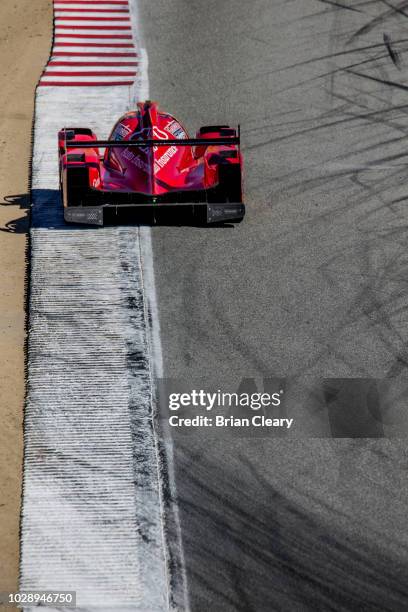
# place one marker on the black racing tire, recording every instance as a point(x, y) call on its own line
point(76, 186)
point(229, 188)
point(221, 130)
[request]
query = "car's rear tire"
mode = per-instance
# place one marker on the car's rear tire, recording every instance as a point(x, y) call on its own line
point(220, 130)
point(76, 186)
point(229, 188)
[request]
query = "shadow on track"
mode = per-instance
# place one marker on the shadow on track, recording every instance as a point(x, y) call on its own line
point(21, 224)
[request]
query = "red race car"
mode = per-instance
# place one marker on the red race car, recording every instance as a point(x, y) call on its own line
point(151, 171)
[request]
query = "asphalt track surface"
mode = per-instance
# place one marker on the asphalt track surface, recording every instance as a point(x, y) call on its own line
point(312, 284)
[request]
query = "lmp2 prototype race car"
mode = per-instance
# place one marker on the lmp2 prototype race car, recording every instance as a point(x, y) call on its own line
point(151, 171)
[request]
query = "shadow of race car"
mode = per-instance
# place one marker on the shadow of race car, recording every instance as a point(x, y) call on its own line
point(151, 171)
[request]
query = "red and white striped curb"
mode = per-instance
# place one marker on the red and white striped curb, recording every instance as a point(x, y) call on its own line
point(93, 45)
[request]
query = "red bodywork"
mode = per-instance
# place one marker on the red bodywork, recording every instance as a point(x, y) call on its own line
point(151, 175)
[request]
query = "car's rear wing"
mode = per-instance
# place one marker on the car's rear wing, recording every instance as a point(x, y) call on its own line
point(178, 142)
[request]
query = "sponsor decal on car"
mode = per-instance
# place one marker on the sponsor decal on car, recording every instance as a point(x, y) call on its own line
point(159, 163)
point(144, 134)
point(135, 159)
point(165, 158)
point(121, 131)
point(175, 129)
